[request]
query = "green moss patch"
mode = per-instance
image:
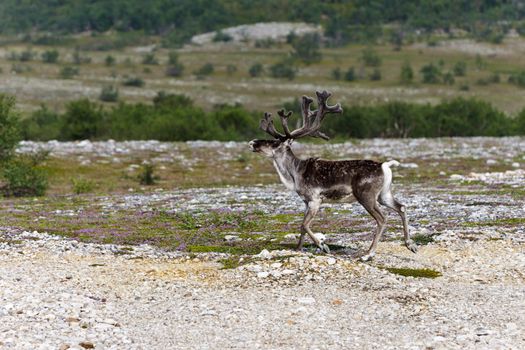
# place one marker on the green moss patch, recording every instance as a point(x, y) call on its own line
point(416, 273)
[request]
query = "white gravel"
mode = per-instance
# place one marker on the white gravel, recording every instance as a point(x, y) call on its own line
point(52, 298)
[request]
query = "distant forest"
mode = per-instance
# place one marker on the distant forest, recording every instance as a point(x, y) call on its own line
point(177, 20)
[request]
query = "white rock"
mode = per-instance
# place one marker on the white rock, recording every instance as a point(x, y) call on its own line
point(409, 165)
point(264, 254)
point(263, 274)
point(306, 300)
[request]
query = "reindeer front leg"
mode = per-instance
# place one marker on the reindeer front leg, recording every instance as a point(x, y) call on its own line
point(312, 207)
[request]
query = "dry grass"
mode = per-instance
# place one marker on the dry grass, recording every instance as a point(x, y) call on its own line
point(42, 83)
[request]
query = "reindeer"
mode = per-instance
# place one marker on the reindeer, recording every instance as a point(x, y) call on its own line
point(317, 180)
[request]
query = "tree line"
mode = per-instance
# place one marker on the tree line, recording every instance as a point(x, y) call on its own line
point(176, 118)
point(178, 20)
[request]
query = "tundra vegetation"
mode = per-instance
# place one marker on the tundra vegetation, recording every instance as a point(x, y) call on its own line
point(402, 72)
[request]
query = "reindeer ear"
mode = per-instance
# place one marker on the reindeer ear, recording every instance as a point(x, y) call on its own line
point(289, 141)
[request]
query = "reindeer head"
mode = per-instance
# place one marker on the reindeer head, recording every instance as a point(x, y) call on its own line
point(311, 125)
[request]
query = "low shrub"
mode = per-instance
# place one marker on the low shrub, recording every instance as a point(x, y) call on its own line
point(150, 59)
point(133, 81)
point(146, 175)
point(50, 56)
point(220, 36)
point(370, 57)
point(283, 70)
point(81, 185)
point(517, 79)
point(9, 127)
point(256, 70)
point(206, 69)
point(350, 74)
point(23, 177)
point(108, 94)
point(337, 74)
point(68, 72)
point(375, 75)
point(110, 61)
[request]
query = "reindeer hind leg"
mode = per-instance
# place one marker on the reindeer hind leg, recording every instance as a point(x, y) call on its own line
point(369, 202)
point(386, 199)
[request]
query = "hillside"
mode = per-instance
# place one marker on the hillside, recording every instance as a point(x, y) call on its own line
point(177, 21)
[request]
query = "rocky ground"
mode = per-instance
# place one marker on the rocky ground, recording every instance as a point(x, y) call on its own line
point(464, 289)
point(64, 294)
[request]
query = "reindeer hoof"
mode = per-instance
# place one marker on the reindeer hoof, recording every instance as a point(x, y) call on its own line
point(367, 257)
point(411, 246)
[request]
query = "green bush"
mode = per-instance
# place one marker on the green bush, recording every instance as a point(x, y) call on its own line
point(26, 56)
point(491, 79)
point(337, 74)
point(173, 57)
point(350, 74)
point(108, 93)
point(220, 36)
point(256, 70)
point(175, 67)
point(468, 117)
point(431, 74)
point(518, 78)
point(110, 61)
point(375, 75)
point(68, 72)
point(133, 81)
point(42, 125)
point(150, 59)
point(235, 121)
point(79, 58)
point(9, 128)
point(460, 69)
point(206, 69)
point(50, 56)
point(448, 78)
point(175, 70)
point(306, 48)
point(265, 43)
point(146, 175)
point(23, 177)
point(176, 118)
point(407, 74)
point(82, 120)
point(457, 117)
point(283, 69)
point(519, 122)
point(370, 58)
point(20, 68)
point(81, 185)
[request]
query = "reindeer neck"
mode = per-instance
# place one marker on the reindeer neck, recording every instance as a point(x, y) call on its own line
point(287, 165)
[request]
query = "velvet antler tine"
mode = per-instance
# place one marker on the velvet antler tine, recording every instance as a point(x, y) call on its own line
point(267, 125)
point(284, 121)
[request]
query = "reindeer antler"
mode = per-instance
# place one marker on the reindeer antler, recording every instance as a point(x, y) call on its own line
point(266, 124)
point(311, 119)
point(284, 121)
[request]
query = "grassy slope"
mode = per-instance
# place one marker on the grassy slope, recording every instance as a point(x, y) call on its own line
point(42, 83)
